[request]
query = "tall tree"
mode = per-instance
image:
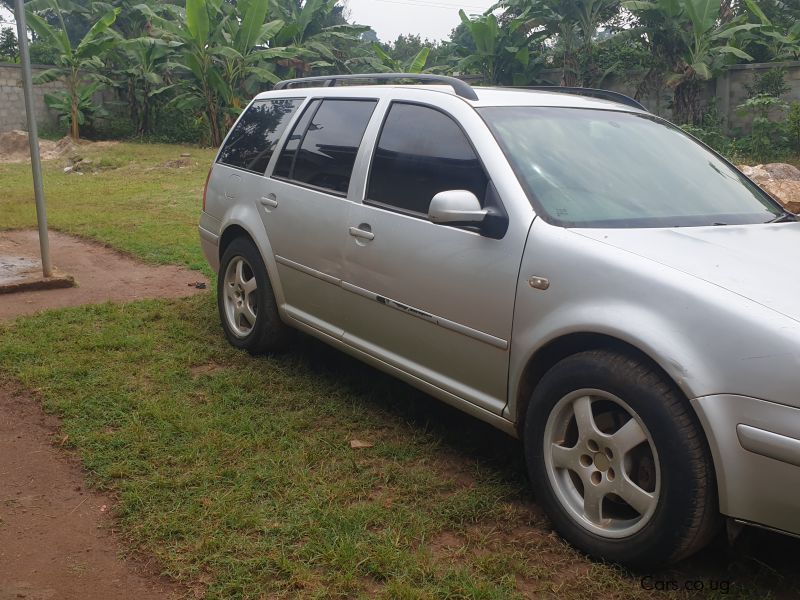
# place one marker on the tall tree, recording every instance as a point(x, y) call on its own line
point(694, 43)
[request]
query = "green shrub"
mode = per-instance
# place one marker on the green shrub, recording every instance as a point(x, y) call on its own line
point(175, 126)
point(770, 83)
point(111, 128)
point(793, 126)
point(769, 140)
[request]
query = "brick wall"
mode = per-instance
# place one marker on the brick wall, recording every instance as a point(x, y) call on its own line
point(12, 98)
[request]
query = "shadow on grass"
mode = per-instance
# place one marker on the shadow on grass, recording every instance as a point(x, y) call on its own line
point(759, 564)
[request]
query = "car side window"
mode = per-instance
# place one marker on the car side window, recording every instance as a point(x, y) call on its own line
point(254, 138)
point(321, 152)
point(421, 152)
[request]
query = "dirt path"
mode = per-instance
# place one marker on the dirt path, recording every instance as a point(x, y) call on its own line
point(102, 275)
point(55, 535)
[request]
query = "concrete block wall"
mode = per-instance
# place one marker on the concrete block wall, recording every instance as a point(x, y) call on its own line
point(729, 89)
point(12, 99)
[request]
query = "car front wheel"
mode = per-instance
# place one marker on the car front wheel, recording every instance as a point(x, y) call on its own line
point(619, 460)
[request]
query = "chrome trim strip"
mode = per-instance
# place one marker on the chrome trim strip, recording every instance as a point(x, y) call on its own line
point(349, 287)
point(308, 270)
point(409, 310)
point(208, 236)
point(415, 312)
point(473, 333)
point(769, 444)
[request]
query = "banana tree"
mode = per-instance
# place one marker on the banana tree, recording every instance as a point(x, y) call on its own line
point(223, 62)
point(703, 46)
point(313, 30)
point(383, 62)
point(78, 65)
point(574, 25)
point(147, 62)
point(783, 45)
point(502, 54)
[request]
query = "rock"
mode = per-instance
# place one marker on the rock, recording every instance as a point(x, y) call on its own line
point(177, 164)
point(14, 142)
point(186, 155)
point(782, 171)
point(779, 180)
point(68, 170)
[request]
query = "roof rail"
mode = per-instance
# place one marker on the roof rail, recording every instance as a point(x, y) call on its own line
point(591, 92)
point(461, 88)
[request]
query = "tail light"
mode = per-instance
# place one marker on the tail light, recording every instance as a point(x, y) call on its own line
point(205, 188)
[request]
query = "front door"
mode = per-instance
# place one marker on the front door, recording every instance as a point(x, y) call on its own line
point(433, 300)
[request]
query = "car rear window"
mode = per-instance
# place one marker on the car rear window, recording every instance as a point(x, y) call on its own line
point(253, 140)
point(322, 149)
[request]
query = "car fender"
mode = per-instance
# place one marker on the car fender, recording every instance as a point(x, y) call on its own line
point(246, 216)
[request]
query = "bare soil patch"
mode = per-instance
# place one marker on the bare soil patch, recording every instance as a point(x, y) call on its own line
point(102, 275)
point(56, 539)
point(15, 148)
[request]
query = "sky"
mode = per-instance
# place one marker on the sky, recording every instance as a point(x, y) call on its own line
point(433, 19)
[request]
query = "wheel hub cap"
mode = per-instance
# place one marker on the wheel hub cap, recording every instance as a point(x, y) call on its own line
point(240, 300)
point(602, 463)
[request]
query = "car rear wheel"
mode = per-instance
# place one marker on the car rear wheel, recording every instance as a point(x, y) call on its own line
point(246, 301)
point(619, 460)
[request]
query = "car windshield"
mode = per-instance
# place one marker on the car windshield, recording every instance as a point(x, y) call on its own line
point(601, 168)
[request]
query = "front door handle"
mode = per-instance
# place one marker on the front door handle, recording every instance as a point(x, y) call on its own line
point(270, 201)
point(362, 233)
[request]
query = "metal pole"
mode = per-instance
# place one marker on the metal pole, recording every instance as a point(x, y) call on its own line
point(33, 137)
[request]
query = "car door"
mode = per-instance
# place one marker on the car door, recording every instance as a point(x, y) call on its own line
point(305, 207)
point(435, 301)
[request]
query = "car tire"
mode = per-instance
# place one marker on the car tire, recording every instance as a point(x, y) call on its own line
point(246, 301)
point(638, 489)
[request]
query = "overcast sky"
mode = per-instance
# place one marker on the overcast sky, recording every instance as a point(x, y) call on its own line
point(434, 19)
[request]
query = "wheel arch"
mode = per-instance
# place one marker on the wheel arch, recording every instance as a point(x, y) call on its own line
point(236, 228)
point(231, 233)
point(546, 357)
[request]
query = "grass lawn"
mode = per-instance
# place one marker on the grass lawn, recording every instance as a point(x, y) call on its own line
point(237, 474)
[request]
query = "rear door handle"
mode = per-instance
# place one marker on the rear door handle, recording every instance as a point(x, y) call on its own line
point(270, 201)
point(362, 234)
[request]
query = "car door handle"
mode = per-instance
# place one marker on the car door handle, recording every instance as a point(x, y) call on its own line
point(362, 234)
point(270, 201)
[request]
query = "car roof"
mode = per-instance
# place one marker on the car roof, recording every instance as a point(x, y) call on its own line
point(487, 96)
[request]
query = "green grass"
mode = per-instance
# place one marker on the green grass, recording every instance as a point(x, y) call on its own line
point(236, 473)
point(132, 202)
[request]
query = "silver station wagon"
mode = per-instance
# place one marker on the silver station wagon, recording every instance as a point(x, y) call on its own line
point(561, 264)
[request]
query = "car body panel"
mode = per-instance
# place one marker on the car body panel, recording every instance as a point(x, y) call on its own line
point(753, 487)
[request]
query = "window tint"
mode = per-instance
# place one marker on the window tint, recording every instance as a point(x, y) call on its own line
point(422, 152)
point(328, 150)
point(253, 140)
point(286, 159)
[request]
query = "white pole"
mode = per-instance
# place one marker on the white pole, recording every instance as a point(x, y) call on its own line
point(33, 138)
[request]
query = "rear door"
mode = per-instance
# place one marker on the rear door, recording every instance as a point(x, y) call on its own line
point(433, 300)
point(305, 204)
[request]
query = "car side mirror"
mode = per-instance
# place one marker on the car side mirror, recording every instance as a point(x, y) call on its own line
point(457, 207)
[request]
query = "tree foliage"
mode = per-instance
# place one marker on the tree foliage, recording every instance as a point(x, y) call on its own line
point(207, 58)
